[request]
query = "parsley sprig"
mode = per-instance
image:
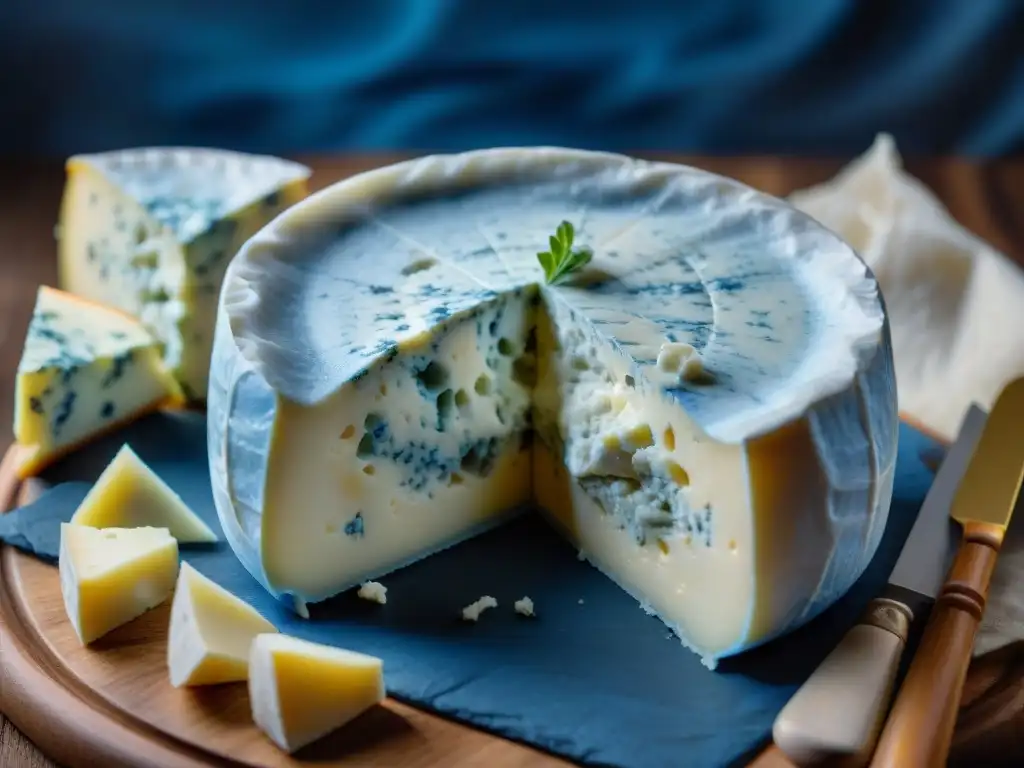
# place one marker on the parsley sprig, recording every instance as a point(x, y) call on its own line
point(562, 260)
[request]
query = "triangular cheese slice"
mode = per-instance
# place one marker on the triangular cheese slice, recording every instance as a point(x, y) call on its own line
point(85, 370)
point(109, 577)
point(301, 691)
point(151, 231)
point(128, 494)
point(211, 632)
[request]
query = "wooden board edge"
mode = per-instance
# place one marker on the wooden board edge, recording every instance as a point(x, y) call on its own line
point(38, 695)
point(78, 729)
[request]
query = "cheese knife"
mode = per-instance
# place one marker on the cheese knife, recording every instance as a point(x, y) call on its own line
point(920, 726)
point(835, 717)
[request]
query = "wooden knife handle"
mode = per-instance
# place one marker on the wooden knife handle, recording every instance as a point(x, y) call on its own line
point(835, 717)
point(920, 726)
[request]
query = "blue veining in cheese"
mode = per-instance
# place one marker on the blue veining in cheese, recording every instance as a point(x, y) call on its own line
point(385, 350)
point(152, 230)
point(84, 370)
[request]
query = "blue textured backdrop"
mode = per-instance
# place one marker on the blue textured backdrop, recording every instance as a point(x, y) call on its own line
point(703, 75)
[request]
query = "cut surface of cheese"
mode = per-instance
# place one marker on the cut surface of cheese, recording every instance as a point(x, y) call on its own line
point(129, 494)
point(151, 231)
point(301, 691)
point(211, 632)
point(110, 576)
point(707, 410)
point(85, 370)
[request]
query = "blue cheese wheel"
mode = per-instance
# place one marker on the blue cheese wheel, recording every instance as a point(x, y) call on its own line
point(707, 410)
point(151, 231)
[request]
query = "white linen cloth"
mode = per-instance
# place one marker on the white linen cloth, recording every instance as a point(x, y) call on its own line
point(956, 309)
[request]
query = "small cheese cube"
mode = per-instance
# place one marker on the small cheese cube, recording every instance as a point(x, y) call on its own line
point(301, 691)
point(129, 495)
point(110, 576)
point(211, 632)
point(85, 370)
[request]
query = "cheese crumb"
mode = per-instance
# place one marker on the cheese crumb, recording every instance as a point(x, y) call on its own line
point(581, 601)
point(472, 611)
point(524, 606)
point(680, 360)
point(374, 591)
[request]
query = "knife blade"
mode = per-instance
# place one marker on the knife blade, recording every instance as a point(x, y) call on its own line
point(837, 713)
point(920, 726)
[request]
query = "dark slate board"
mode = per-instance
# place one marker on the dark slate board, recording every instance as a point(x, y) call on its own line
point(596, 681)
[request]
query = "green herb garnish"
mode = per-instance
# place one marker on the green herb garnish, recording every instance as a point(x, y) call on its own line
point(562, 260)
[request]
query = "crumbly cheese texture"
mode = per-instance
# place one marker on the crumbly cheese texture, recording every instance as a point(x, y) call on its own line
point(152, 230)
point(524, 606)
point(85, 370)
point(129, 494)
point(472, 611)
point(110, 576)
point(300, 691)
point(707, 410)
point(211, 632)
point(374, 591)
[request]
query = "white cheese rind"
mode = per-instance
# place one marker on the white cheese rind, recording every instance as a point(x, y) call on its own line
point(151, 231)
point(331, 301)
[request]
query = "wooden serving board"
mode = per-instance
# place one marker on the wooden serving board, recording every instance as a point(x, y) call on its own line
point(111, 706)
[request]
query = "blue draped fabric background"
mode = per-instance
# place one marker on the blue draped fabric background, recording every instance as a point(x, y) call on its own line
point(731, 76)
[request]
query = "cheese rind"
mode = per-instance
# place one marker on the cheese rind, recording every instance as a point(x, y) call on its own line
point(85, 370)
point(129, 494)
point(109, 577)
point(211, 632)
point(716, 387)
point(301, 691)
point(151, 231)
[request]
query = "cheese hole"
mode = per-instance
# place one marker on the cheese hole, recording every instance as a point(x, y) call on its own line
point(455, 479)
point(433, 376)
point(524, 370)
point(140, 234)
point(369, 469)
point(420, 265)
point(630, 381)
point(733, 546)
point(462, 398)
point(383, 389)
point(679, 475)
point(110, 535)
point(330, 528)
point(347, 432)
point(580, 364)
point(663, 546)
point(445, 404)
point(506, 347)
point(482, 386)
point(669, 438)
point(365, 447)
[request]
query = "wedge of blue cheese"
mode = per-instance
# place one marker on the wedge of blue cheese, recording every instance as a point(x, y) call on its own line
point(85, 370)
point(707, 411)
point(151, 231)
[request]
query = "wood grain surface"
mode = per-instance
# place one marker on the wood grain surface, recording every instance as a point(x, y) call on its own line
point(988, 198)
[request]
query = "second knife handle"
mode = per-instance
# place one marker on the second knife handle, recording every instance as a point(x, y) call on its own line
point(835, 717)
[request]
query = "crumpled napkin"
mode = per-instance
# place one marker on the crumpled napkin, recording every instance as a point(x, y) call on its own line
point(956, 309)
